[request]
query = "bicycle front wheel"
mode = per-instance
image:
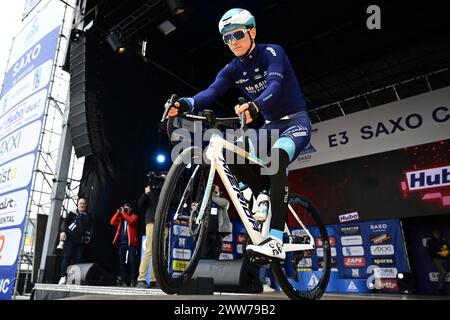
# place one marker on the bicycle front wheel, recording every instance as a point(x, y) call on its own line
point(304, 275)
point(178, 233)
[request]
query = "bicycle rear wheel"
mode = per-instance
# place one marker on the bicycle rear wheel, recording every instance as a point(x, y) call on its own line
point(304, 275)
point(178, 236)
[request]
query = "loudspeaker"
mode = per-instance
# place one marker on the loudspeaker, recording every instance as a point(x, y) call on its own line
point(91, 274)
point(230, 275)
point(84, 117)
point(41, 225)
point(52, 268)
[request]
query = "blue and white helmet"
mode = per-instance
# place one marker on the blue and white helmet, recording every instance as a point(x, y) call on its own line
point(235, 18)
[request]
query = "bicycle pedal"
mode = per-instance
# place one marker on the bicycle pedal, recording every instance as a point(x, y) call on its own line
point(301, 240)
point(258, 258)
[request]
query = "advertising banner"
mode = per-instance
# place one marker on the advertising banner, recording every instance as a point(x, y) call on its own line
point(404, 183)
point(22, 106)
point(182, 247)
point(361, 253)
point(29, 6)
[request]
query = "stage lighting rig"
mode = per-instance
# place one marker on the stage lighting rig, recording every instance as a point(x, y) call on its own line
point(166, 27)
point(175, 6)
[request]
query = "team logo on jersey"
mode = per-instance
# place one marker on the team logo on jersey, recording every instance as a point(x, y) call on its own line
point(240, 81)
point(272, 51)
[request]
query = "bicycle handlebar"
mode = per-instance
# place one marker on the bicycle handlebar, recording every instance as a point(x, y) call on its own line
point(208, 117)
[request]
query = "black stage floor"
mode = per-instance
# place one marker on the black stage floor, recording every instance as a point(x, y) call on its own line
point(75, 292)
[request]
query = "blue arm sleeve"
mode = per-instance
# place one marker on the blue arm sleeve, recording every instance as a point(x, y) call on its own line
point(215, 90)
point(275, 73)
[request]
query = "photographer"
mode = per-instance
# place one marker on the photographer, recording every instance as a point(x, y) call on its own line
point(76, 233)
point(126, 237)
point(147, 203)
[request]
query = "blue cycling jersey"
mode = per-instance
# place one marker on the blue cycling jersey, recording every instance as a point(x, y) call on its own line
point(265, 76)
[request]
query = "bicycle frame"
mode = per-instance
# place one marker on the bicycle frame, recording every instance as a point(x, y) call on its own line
point(214, 153)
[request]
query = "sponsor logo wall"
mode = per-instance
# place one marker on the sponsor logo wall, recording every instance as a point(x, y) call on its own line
point(22, 105)
point(360, 252)
point(364, 251)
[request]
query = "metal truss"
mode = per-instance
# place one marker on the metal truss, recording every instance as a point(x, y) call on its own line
point(45, 168)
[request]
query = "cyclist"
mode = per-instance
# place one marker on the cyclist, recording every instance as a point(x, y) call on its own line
point(264, 73)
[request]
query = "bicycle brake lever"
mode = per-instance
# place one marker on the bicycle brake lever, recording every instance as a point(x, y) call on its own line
point(167, 106)
point(241, 101)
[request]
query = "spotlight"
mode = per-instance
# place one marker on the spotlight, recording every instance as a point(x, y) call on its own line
point(113, 40)
point(166, 27)
point(160, 158)
point(144, 48)
point(76, 35)
point(175, 6)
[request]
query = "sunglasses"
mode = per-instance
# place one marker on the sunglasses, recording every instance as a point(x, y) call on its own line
point(237, 35)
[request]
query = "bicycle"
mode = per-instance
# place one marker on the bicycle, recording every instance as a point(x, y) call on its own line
point(184, 207)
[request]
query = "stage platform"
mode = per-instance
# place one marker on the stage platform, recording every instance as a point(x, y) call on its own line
point(76, 292)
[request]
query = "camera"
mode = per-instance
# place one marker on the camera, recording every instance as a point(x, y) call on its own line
point(86, 238)
point(154, 180)
point(123, 209)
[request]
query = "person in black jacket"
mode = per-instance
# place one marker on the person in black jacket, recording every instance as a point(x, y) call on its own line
point(438, 250)
point(76, 233)
point(219, 225)
point(147, 203)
